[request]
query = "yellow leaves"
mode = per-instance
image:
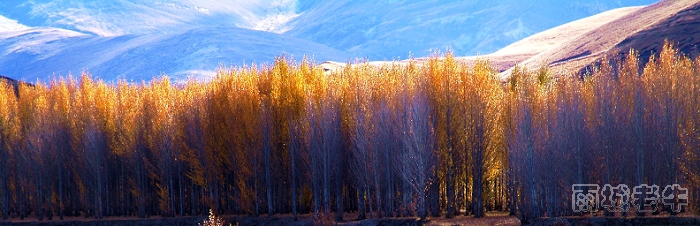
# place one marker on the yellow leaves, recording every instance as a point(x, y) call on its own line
point(61, 99)
point(125, 119)
point(217, 129)
point(163, 198)
point(9, 123)
point(8, 101)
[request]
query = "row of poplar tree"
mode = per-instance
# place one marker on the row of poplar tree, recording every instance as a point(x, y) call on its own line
point(436, 138)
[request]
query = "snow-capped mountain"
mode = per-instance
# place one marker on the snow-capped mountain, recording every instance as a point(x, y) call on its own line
point(7, 25)
point(45, 53)
point(386, 30)
point(121, 17)
point(137, 39)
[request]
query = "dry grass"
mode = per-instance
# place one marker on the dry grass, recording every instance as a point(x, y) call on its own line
point(492, 218)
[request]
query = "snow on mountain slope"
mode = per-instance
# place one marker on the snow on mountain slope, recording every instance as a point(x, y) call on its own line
point(138, 39)
point(377, 29)
point(192, 53)
point(385, 30)
point(121, 17)
point(38, 41)
point(10, 25)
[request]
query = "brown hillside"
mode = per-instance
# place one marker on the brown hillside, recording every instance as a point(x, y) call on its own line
point(575, 46)
point(644, 30)
point(551, 39)
point(682, 29)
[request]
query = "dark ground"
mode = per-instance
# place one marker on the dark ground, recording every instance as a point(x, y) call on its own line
point(492, 218)
point(306, 219)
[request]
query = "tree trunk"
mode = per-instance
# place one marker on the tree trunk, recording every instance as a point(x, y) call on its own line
point(338, 195)
point(449, 180)
point(361, 204)
point(98, 196)
point(422, 210)
point(450, 192)
point(478, 171)
point(179, 181)
point(292, 159)
point(60, 191)
point(326, 184)
point(390, 186)
point(315, 185)
point(377, 186)
point(407, 196)
point(434, 197)
point(477, 199)
point(513, 194)
point(268, 180)
point(369, 200)
point(4, 189)
point(39, 197)
point(122, 193)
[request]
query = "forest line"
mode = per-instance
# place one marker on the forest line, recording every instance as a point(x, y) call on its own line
point(439, 138)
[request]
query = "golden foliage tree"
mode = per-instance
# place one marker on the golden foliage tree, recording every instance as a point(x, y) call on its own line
point(401, 139)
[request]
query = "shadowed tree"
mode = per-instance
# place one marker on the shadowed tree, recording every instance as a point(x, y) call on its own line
point(417, 160)
point(8, 139)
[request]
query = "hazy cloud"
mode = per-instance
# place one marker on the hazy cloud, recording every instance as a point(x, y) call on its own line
point(113, 18)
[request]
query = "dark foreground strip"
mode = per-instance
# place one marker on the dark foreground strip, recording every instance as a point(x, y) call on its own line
point(617, 221)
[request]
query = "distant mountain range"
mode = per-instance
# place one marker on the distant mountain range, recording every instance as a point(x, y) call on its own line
point(136, 39)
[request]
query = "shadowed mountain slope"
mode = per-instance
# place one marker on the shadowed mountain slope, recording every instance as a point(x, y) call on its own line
point(644, 30)
point(576, 46)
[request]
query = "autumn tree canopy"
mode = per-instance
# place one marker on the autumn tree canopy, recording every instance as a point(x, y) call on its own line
point(431, 138)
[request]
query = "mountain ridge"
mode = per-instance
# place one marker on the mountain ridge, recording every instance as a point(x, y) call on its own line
point(137, 40)
point(578, 46)
point(617, 37)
